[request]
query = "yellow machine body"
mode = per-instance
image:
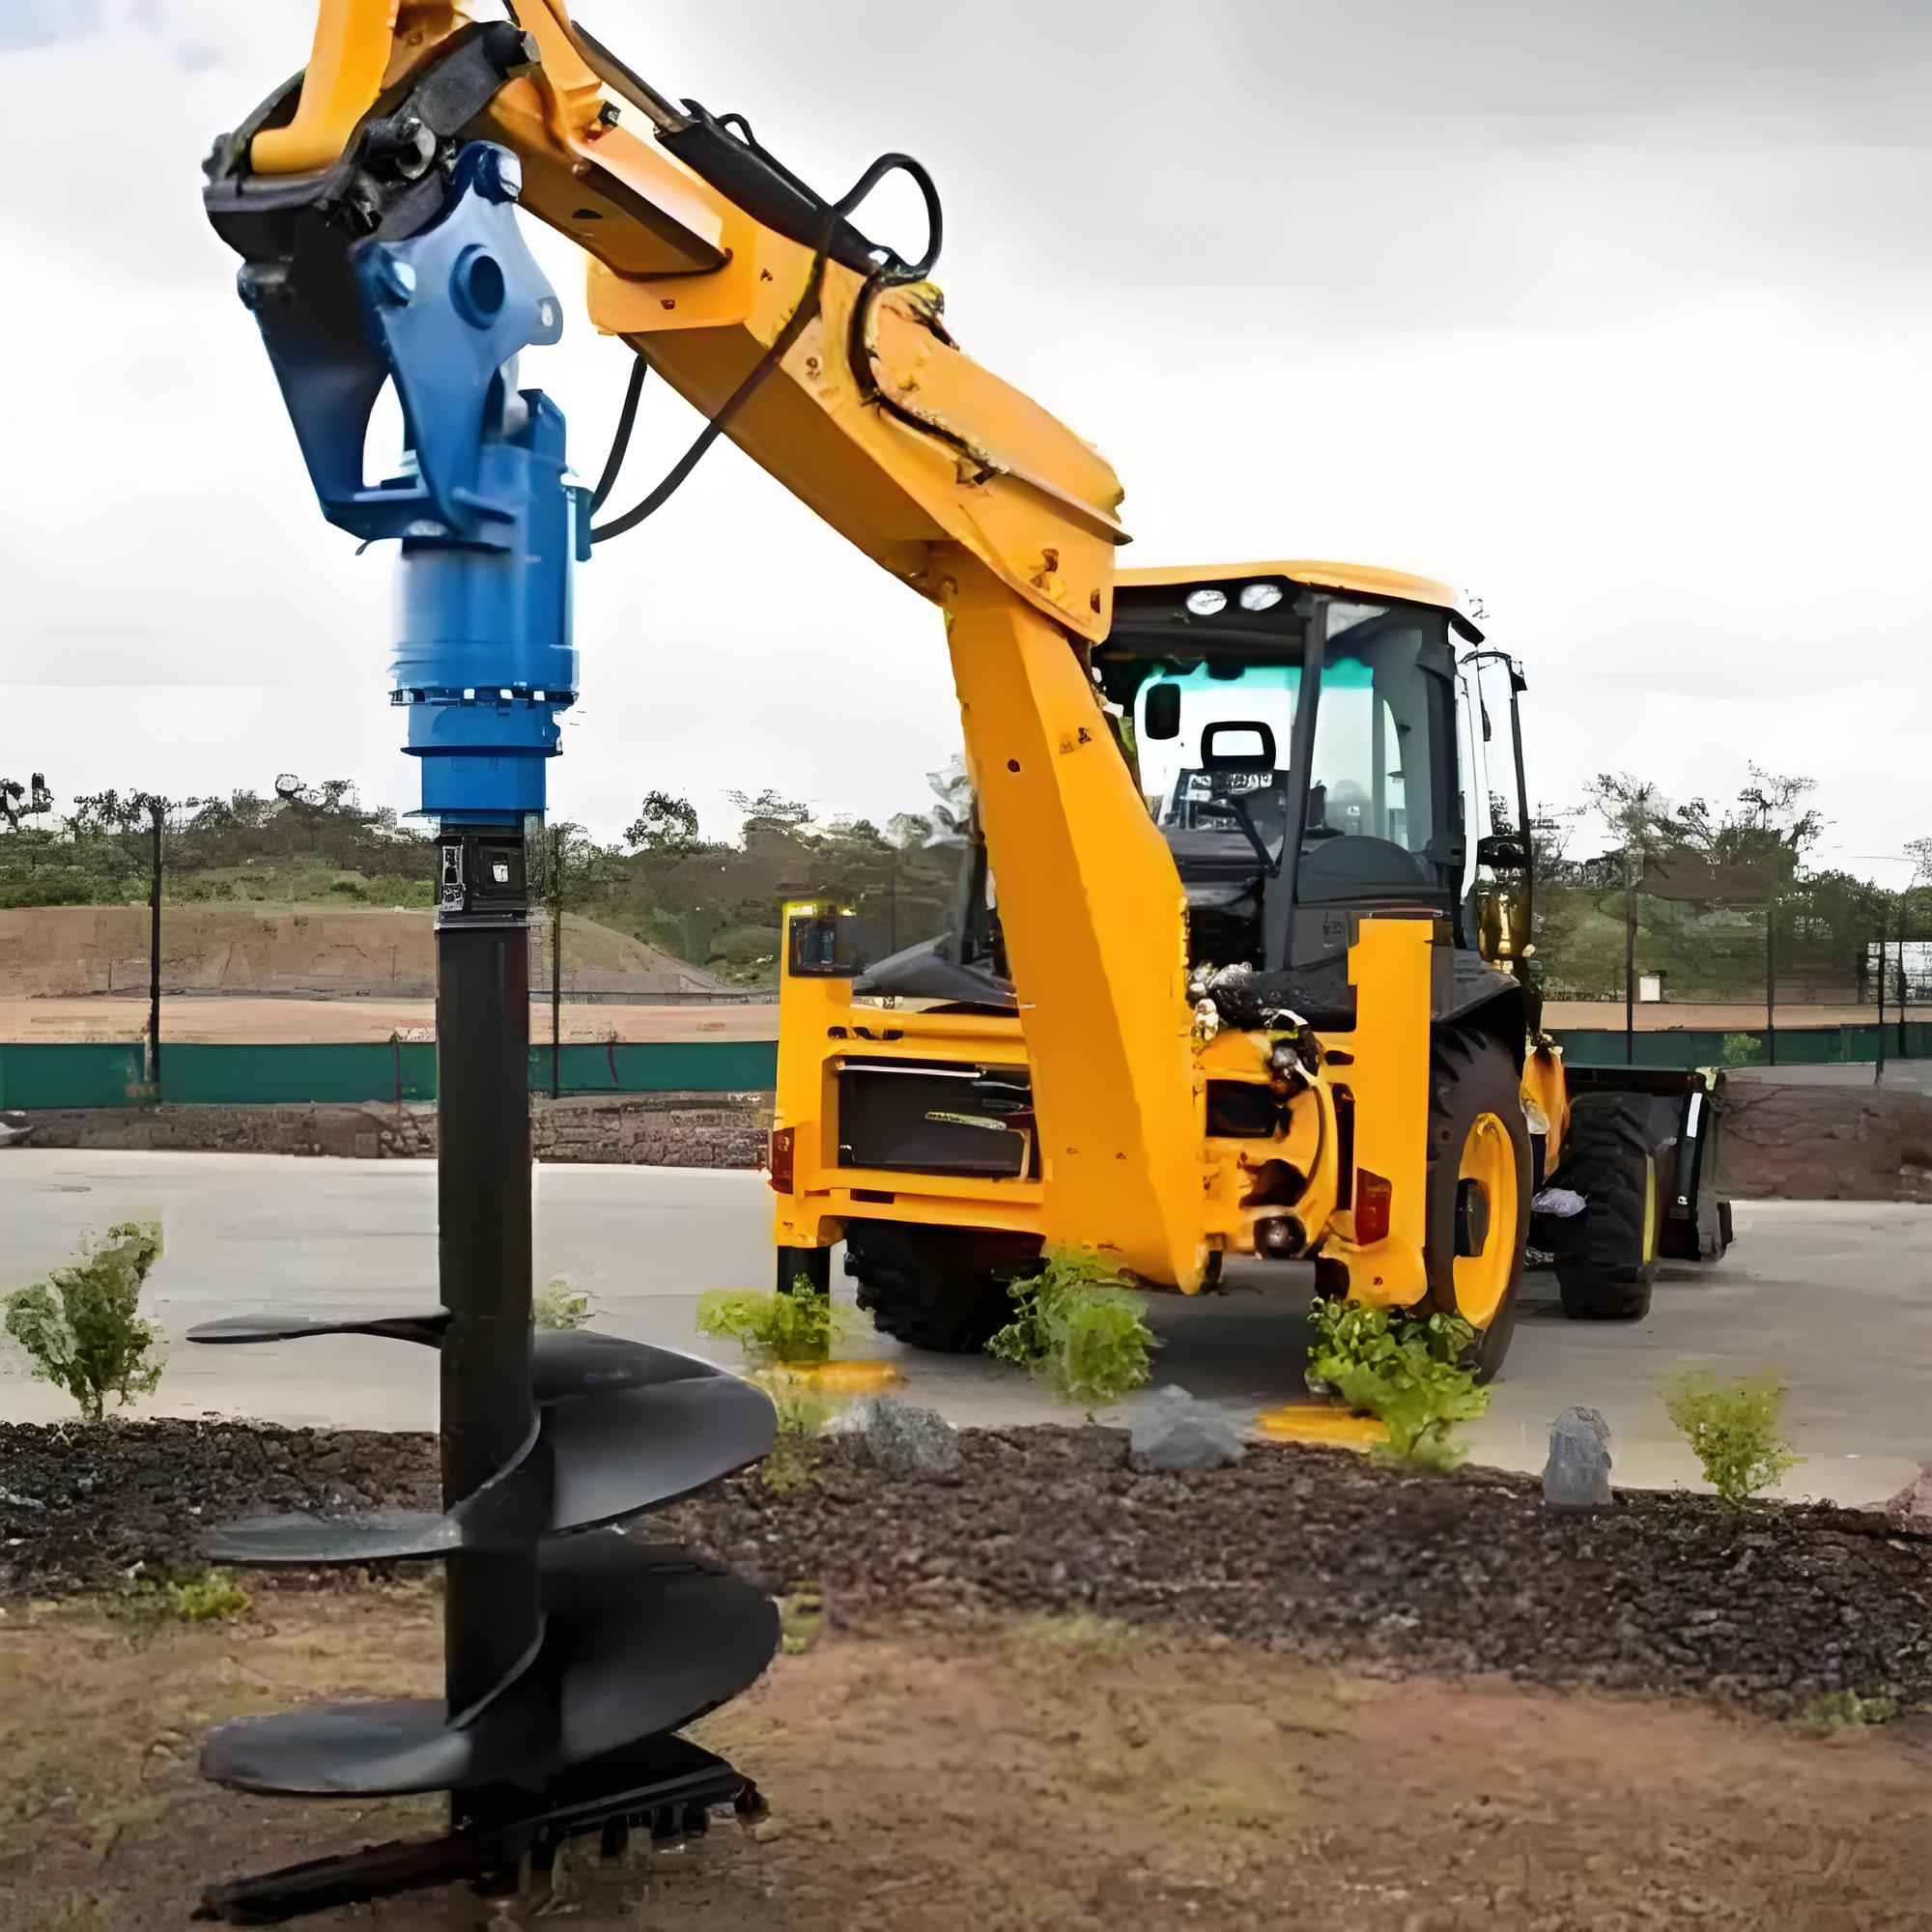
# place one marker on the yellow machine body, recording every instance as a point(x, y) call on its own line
point(1091, 1174)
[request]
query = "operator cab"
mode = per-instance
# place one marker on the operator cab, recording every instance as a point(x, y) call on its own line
point(1315, 696)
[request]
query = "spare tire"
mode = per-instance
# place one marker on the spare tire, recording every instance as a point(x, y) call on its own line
point(1609, 1261)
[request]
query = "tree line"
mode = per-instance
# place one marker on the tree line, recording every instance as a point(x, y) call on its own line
point(713, 902)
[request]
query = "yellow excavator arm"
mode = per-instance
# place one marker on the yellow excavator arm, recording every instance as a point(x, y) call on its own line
point(872, 415)
point(827, 359)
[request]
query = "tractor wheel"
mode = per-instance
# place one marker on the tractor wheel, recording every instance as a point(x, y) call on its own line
point(939, 1289)
point(1477, 1212)
point(1607, 1271)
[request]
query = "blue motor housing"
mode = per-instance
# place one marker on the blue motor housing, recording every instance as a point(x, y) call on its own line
point(489, 526)
point(484, 659)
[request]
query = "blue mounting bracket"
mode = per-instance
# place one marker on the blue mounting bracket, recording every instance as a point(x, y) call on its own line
point(490, 528)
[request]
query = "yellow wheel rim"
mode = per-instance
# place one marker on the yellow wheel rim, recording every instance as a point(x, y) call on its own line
point(1483, 1279)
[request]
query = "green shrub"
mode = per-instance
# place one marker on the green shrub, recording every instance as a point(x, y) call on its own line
point(189, 1596)
point(1740, 1049)
point(1077, 1329)
point(1732, 1428)
point(1846, 1710)
point(1413, 1376)
point(770, 1328)
point(559, 1305)
point(81, 1326)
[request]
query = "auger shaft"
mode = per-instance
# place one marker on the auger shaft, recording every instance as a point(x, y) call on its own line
point(492, 1612)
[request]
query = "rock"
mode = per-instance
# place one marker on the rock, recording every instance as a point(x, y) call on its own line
point(1915, 1499)
point(768, 1829)
point(902, 1439)
point(1577, 1473)
point(1174, 1432)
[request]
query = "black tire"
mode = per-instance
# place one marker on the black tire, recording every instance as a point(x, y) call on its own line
point(1605, 1271)
point(1471, 1074)
point(944, 1290)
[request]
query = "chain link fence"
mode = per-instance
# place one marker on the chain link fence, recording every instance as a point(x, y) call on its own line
point(297, 915)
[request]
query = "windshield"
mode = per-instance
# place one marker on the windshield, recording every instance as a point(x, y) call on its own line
point(1381, 815)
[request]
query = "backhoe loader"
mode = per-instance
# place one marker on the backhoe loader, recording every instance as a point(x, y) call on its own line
point(1369, 1084)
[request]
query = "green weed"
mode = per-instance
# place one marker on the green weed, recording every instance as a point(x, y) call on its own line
point(770, 1328)
point(1411, 1375)
point(185, 1596)
point(1077, 1329)
point(81, 1326)
point(1733, 1428)
point(792, 1460)
point(1845, 1709)
point(559, 1305)
point(801, 1618)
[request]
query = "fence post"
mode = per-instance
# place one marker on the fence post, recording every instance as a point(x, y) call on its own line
point(1904, 985)
point(155, 813)
point(1771, 979)
point(1629, 968)
point(556, 962)
point(1878, 1071)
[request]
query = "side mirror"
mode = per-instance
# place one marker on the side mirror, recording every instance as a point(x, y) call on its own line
point(1500, 852)
point(1161, 718)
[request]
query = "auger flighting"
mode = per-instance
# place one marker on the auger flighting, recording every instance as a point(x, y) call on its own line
point(572, 1652)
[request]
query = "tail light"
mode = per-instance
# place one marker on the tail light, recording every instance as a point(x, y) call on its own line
point(781, 1158)
point(1375, 1197)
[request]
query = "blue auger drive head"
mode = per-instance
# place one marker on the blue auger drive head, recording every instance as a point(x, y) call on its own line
point(488, 526)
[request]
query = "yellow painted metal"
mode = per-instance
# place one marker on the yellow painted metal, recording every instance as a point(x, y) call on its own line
point(1095, 929)
point(1483, 1279)
point(353, 42)
point(700, 289)
point(1389, 968)
point(854, 1378)
point(1001, 479)
point(1316, 1422)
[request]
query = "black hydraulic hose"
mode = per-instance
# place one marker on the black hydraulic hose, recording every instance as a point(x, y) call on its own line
point(806, 308)
point(895, 270)
point(620, 442)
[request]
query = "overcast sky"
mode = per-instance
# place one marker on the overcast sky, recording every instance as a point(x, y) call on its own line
point(1615, 313)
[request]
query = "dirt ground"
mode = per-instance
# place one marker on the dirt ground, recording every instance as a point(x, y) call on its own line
point(214, 1018)
point(1049, 1775)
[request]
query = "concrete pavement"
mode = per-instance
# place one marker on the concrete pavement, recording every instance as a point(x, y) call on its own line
point(1837, 1294)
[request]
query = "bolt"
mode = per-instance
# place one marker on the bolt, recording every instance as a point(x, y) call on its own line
point(607, 114)
point(395, 280)
point(499, 176)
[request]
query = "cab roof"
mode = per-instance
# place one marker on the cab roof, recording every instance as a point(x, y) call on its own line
point(1366, 579)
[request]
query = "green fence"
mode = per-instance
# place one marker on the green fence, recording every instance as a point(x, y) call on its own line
point(1806, 1046)
point(70, 1074)
point(95, 1074)
point(86, 1074)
